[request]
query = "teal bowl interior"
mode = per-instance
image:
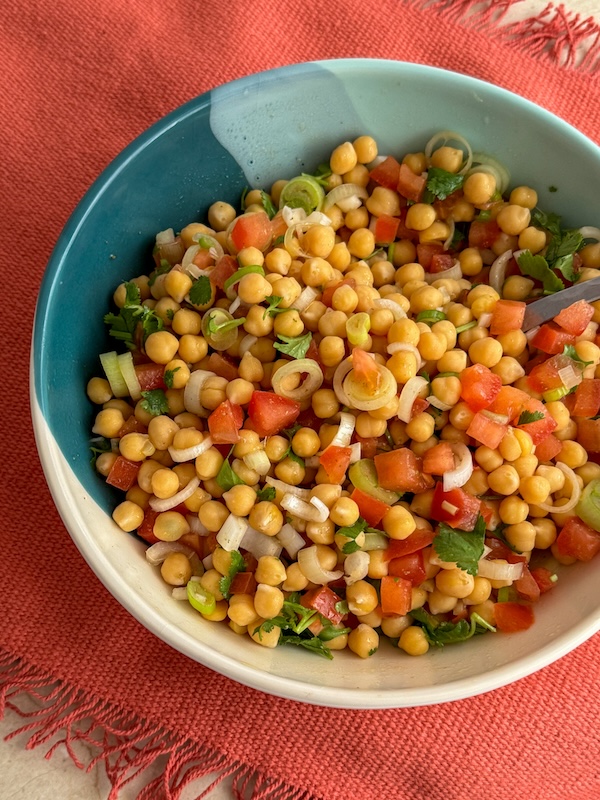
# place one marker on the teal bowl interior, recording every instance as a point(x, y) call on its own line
point(249, 133)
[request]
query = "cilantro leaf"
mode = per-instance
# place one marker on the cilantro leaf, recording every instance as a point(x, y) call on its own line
point(155, 402)
point(125, 323)
point(465, 548)
point(267, 493)
point(352, 532)
point(273, 308)
point(440, 633)
point(168, 377)
point(294, 620)
point(322, 174)
point(549, 221)
point(291, 432)
point(562, 246)
point(294, 346)
point(132, 295)
point(571, 352)
point(529, 416)
point(267, 204)
point(313, 643)
point(160, 270)
point(237, 564)
point(441, 183)
point(201, 291)
point(537, 268)
point(226, 477)
point(498, 533)
point(221, 327)
point(98, 446)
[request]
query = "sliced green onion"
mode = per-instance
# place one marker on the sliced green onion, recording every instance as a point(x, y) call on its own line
point(130, 377)
point(110, 365)
point(553, 578)
point(390, 252)
point(555, 394)
point(506, 594)
point(239, 274)
point(219, 328)
point(200, 598)
point(481, 621)
point(467, 326)
point(430, 316)
point(357, 328)
point(302, 192)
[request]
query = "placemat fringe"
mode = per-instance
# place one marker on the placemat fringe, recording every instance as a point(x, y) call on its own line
point(126, 744)
point(556, 35)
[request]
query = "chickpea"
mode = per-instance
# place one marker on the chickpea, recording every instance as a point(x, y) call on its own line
point(305, 442)
point(128, 516)
point(176, 569)
point(345, 512)
point(108, 423)
point(455, 582)
point(481, 592)
point(212, 515)
point(448, 158)
point(266, 518)
point(361, 243)
point(221, 215)
point(161, 347)
point(99, 391)
point(295, 580)
point(363, 640)
point(398, 522)
point(420, 216)
point(365, 148)
point(524, 196)
point(413, 641)
point(271, 571)
point(170, 526)
point(240, 500)
point(521, 536)
point(504, 480)
point(343, 158)
point(440, 602)
point(479, 188)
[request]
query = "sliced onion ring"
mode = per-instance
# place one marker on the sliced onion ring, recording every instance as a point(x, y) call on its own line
point(232, 532)
point(291, 540)
point(156, 553)
point(343, 192)
point(590, 232)
point(308, 561)
point(343, 435)
point(570, 376)
point(307, 388)
point(189, 453)
point(164, 504)
point(498, 271)
point(408, 395)
point(313, 511)
point(499, 570)
point(287, 488)
point(356, 567)
point(463, 468)
point(440, 139)
point(365, 401)
point(259, 544)
point(437, 403)
point(575, 488)
point(454, 274)
point(193, 390)
point(391, 305)
point(307, 296)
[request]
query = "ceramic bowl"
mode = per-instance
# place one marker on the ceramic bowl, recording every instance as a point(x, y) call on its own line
point(252, 132)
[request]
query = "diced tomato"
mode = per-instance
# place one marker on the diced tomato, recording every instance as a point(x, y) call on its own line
point(508, 315)
point(410, 185)
point(401, 471)
point(578, 540)
point(425, 253)
point(223, 269)
point(396, 595)
point(403, 232)
point(123, 473)
point(269, 412)
point(513, 617)
point(409, 567)
point(419, 405)
point(587, 398)
point(324, 600)
point(588, 434)
point(146, 529)
point(387, 173)
point(543, 578)
point(457, 508)
point(545, 376)
point(575, 318)
point(487, 431)
point(551, 339)
point(252, 229)
point(203, 259)
point(328, 292)
point(370, 446)
point(479, 386)
point(441, 262)
point(243, 583)
point(540, 428)
point(365, 369)
point(417, 540)
point(150, 376)
point(131, 425)
point(370, 508)
point(194, 541)
point(483, 234)
point(222, 366)
point(548, 448)
point(438, 459)
point(386, 228)
point(278, 225)
point(225, 422)
point(509, 402)
point(487, 512)
point(527, 586)
point(335, 461)
point(499, 550)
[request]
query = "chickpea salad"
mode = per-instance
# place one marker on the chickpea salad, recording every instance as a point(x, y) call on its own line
point(326, 420)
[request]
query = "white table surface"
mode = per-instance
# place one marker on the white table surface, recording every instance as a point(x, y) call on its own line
point(27, 775)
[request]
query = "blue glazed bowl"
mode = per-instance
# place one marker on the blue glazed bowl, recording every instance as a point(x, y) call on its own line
point(252, 132)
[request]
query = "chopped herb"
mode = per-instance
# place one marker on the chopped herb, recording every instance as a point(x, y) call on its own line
point(322, 174)
point(155, 402)
point(277, 241)
point(160, 270)
point(352, 532)
point(389, 438)
point(552, 189)
point(467, 326)
point(549, 221)
point(330, 631)
point(124, 324)
point(170, 313)
point(530, 416)
point(498, 533)
point(213, 328)
point(562, 246)
point(267, 493)
point(240, 273)
point(294, 620)
point(291, 432)
point(440, 633)
point(98, 446)
point(273, 308)
point(464, 548)
point(572, 353)
point(267, 204)
point(457, 237)
point(168, 377)
point(342, 607)
point(390, 252)
point(440, 184)
point(295, 346)
point(237, 564)
point(537, 267)
point(245, 191)
point(201, 291)
point(430, 316)
point(226, 477)
point(484, 216)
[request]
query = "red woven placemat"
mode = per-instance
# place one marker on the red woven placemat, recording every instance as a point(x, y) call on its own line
point(79, 81)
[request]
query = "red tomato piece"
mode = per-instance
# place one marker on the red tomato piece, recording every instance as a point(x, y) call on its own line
point(457, 508)
point(587, 398)
point(370, 508)
point(146, 529)
point(438, 459)
point(386, 229)
point(513, 617)
point(131, 425)
point(479, 386)
point(440, 262)
point(548, 448)
point(243, 583)
point(544, 376)
point(543, 578)
point(539, 429)
point(409, 567)
point(508, 315)
point(578, 540)
point(500, 550)
point(410, 185)
point(419, 405)
point(418, 540)
point(487, 431)
point(365, 369)
point(401, 471)
point(527, 586)
point(576, 317)
point(368, 447)
point(509, 402)
point(324, 600)
point(223, 269)
point(335, 461)
point(328, 292)
point(387, 173)
point(426, 252)
point(483, 234)
point(252, 229)
point(222, 366)
point(150, 376)
point(225, 422)
point(203, 259)
point(551, 339)
point(396, 595)
point(588, 434)
point(123, 473)
point(269, 412)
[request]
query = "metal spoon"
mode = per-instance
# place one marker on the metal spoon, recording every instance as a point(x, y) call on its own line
point(548, 307)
